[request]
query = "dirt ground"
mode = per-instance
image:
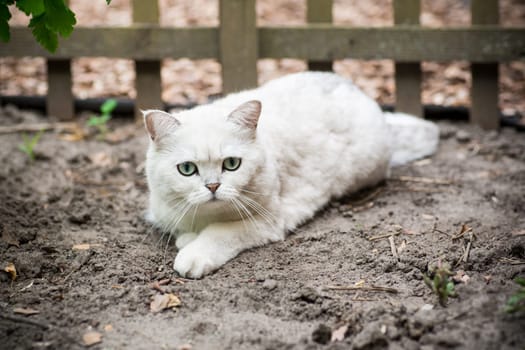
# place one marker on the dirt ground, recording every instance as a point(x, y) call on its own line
point(72, 224)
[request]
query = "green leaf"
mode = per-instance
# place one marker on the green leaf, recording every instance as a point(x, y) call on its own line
point(36, 138)
point(59, 18)
point(93, 121)
point(520, 281)
point(5, 15)
point(31, 7)
point(108, 2)
point(45, 37)
point(108, 106)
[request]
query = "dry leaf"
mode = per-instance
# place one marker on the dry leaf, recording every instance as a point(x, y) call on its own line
point(164, 301)
point(516, 233)
point(75, 134)
point(82, 246)
point(101, 159)
point(85, 246)
point(91, 338)
point(25, 311)
point(339, 333)
point(11, 270)
point(461, 277)
point(173, 300)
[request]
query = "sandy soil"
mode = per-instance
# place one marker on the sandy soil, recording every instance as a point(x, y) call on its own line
point(275, 297)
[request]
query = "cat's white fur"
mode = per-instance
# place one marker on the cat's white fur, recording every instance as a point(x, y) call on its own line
point(317, 137)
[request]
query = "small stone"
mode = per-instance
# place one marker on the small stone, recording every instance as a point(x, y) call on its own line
point(322, 334)
point(270, 284)
point(463, 136)
point(80, 218)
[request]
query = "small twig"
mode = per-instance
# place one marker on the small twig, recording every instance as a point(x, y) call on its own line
point(11, 129)
point(512, 261)
point(386, 235)
point(364, 288)
point(25, 320)
point(368, 198)
point(435, 229)
point(393, 247)
point(424, 180)
point(464, 229)
point(469, 244)
point(465, 256)
point(425, 189)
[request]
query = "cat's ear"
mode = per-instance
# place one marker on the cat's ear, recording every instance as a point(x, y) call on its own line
point(159, 123)
point(247, 115)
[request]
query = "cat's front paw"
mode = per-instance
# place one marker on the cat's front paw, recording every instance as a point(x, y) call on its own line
point(184, 239)
point(192, 262)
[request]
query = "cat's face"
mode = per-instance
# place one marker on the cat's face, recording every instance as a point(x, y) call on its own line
point(203, 160)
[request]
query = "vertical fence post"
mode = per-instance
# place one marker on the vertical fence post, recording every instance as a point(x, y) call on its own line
point(148, 79)
point(59, 100)
point(239, 47)
point(484, 90)
point(319, 11)
point(408, 75)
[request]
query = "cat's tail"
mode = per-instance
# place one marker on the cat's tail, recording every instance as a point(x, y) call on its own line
point(411, 137)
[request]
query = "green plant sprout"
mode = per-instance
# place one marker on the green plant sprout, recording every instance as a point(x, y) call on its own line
point(29, 144)
point(101, 121)
point(517, 301)
point(438, 281)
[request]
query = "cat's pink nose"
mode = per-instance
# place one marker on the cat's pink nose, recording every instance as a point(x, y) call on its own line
point(213, 187)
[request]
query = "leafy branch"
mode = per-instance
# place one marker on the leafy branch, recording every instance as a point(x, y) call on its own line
point(49, 18)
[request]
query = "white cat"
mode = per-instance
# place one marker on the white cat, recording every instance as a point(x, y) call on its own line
point(244, 170)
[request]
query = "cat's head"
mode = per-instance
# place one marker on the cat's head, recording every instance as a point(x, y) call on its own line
point(205, 155)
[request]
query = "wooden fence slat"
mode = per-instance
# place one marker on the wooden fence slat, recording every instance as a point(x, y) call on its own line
point(148, 76)
point(408, 75)
point(485, 76)
point(319, 11)
point(59, 99)
point(320, 42)
point(238, 44)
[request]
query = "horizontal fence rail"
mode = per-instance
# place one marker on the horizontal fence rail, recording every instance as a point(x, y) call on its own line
point(320, 42)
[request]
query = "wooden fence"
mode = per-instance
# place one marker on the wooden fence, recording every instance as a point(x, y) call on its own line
point(237, 44)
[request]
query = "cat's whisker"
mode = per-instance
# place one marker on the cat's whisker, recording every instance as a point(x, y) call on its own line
point(254, 223)
point(234, 206)
point(261, 211)
point(193, 217)
point(252, 192)
point(258, 206)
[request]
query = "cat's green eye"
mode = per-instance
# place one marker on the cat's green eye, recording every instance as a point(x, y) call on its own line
point(187, 168)
point(231, 163)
